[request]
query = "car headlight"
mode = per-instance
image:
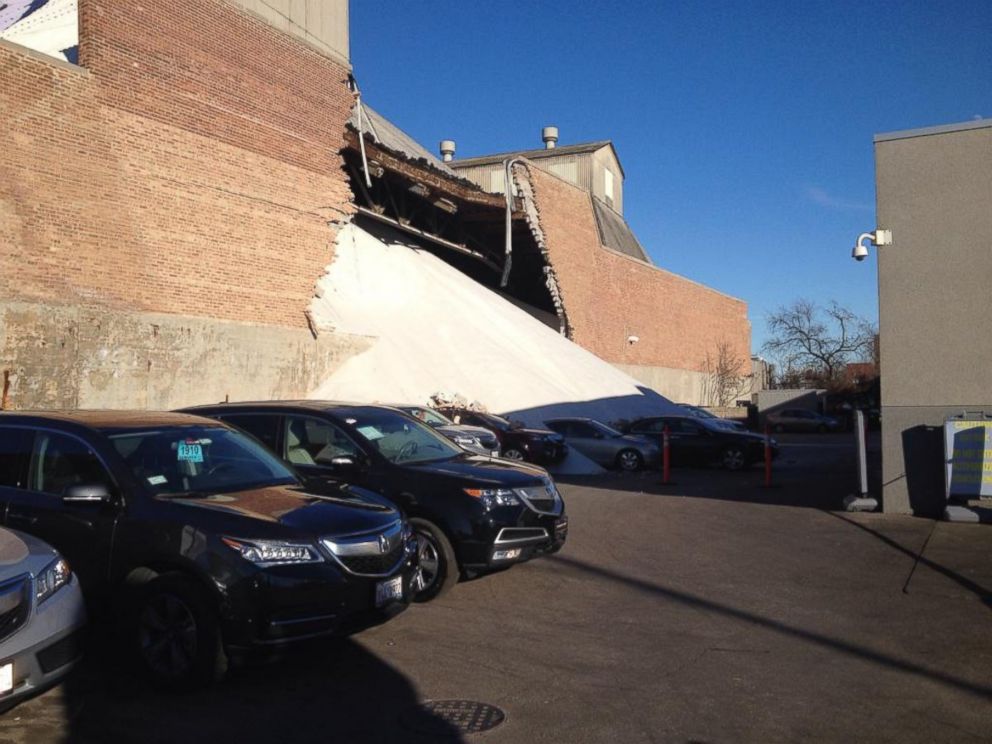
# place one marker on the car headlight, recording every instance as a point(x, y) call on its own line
point(493, 497)
point(273, 552)
point(56, 575)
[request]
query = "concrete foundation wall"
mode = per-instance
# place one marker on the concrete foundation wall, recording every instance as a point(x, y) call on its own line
point(678, 385)
point(75, 357)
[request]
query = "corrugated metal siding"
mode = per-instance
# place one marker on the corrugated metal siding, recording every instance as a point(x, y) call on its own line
point(615, 233)
point(566, 169)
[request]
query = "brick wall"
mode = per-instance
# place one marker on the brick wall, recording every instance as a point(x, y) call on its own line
point(191, 167)
point(609, 296)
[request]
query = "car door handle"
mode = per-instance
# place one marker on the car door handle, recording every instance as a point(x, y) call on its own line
point(17, 516)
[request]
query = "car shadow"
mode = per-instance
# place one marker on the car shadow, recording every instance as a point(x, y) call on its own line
point(333, 690)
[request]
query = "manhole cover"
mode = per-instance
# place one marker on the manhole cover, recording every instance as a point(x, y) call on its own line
point(452, 717)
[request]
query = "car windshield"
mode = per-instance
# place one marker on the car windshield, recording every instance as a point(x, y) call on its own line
point(401, 440)
point(179, 460)
point(433, 418)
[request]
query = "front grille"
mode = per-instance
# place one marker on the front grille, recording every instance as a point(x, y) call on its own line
point(60, 653)
point(543, 499)
point(376, 553)
point(15, 604)
point(374, 565)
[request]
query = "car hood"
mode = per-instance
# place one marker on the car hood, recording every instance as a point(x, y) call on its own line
point(20, 553)
point(348, 511)
point(485, 471)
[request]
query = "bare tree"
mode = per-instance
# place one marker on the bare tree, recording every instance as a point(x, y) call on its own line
point(813, 342)
point(727, 376)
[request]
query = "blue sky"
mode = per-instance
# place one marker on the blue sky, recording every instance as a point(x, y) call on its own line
point(745, 129)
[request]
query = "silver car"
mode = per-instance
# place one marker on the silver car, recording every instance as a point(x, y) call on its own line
point(605, 445)
point(475, 439)
point(41, 617)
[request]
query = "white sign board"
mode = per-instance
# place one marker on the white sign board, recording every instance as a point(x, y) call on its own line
point(968, 458)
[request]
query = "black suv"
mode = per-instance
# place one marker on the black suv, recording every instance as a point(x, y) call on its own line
point(470, 513)
point(540, 446)
point(198, 537)
point(698, 441)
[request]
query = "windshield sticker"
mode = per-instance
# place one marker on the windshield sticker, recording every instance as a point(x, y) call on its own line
point(370, 433)
point(189, 451)
point(157, 480)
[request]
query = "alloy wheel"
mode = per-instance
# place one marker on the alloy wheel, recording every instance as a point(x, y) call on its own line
point(428, 564)
point(167, 635)
point(630, 460)
point(733, 458)
point(513, 454)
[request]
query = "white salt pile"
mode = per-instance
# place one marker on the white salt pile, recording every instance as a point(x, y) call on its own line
point(439, 330)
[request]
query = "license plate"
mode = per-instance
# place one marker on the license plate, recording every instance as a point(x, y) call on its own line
point(6, 678)
point(495, 453)
point(388, 590)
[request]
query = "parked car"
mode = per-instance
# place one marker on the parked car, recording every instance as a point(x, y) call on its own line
point(539, 446)
point(198, 538)
point(471, 514)
point(702, 413)
point(697, 441)
point(471, 438)
point(801, 419)
point(41, 612)
point(605, 445)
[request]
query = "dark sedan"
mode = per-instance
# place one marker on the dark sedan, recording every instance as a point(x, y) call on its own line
point(539, 446)
point(801, 419)
point(695, 441)
point(605, 445)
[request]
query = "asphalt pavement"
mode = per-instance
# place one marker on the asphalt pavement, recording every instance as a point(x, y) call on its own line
point(713, 609)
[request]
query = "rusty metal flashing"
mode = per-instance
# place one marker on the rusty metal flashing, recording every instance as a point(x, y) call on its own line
point(521, 180)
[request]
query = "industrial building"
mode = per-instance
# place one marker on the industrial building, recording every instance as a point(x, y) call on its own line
point(173, 186)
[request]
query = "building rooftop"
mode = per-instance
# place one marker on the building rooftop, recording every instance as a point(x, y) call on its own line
point(393, 138)
point(926, 131)
point(536, 154)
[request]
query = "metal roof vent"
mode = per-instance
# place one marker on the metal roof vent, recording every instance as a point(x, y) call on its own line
point(447, 148)
point(550, 137)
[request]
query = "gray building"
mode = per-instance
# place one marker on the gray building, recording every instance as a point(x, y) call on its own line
point(934, 193)
point(323, 24)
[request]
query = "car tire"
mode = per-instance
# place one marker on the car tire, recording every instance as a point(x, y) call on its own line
point(629, 460)
point(175, 632)
point(512, 454)
point(437, 567)
point(733, 458)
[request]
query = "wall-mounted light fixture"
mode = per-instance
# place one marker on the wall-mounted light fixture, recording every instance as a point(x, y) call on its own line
point(879, 238)
point(633, 339)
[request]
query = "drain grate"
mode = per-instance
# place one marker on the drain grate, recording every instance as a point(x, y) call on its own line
point(452, 717)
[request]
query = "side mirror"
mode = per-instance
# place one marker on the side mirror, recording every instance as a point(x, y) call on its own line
point(91, 493)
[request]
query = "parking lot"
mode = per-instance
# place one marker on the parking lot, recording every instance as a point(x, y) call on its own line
point(709, 610)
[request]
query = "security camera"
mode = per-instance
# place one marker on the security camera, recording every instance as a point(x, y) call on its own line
point(860, 252)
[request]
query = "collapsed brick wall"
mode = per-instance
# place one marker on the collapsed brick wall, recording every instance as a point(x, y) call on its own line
point(609, 297)
point(191, 167)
